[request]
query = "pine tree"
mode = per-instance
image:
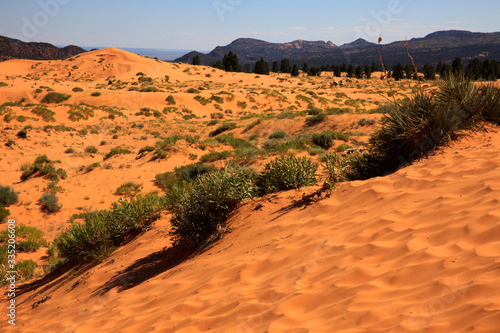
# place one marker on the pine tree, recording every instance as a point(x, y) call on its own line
point(276, 67)
point(359, 72)
point(337, 71)
point(368, 71)
point(456, 66)
point(305, 68)
point(285, 66)
point(196, 60)
point(350, 71)
point(429, 72)
point(261, 67)
point(295, 70)
point(374, 67)
point(398, 73)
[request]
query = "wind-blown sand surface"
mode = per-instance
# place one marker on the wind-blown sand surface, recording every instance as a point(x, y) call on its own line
point(414, 251)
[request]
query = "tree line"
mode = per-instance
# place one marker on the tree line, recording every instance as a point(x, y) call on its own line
point(476, 69)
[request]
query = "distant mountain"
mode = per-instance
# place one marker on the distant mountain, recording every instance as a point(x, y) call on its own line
point(16, 49)
point(438, 46)
point(251, 50)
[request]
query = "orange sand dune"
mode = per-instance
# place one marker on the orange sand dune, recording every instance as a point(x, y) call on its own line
point(415, 251)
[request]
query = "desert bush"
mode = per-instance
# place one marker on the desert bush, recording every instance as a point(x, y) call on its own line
point(46, 114)
point(279, 134)
point(91, 150)
point(92, 166)
point(102, 231)
point(49, 202)
point(53, 97)
point(129, 189)
point(336, 169)
point(182, 175)
point(22, 134)
point(252, 125)
point(316, 119)
point(171, 100)
point(42, 166)
point(229, 139)
point(4, 213)
point(25, 269)
point(116, 151)
point(69, 151)
point(286, 173)
point(215, 156)
point(193, 91)
point(28, 239)
point(200, 212)
point(324, 140)
point(8, 196)
point(223, 128)
point(95, 94)
point(77, 89)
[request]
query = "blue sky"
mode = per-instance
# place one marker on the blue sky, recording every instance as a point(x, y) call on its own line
point(204, 24)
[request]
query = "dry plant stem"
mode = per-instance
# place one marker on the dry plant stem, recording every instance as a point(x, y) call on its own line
point(412, 62)
point(385, 73)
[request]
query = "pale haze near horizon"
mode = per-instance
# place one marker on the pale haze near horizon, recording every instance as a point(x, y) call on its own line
point(203, 25)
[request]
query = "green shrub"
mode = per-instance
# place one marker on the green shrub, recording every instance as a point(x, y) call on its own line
point(28, 239)
point(42, 167)
point(287, 172)
point(25, 269)
point(69, 151)
point(77, 89)
point(8, 196)
point(53, 97)
point(49, 202)
point(103, 231)
point(4, 213)
point(91, 150)
point(116, 151)
point(223, 128)
point(324, 140)
point(313, 120)
point(200, 212)
point(182, 175)
point(215, 156)
point(46, 114)
point(95, 94)
point(279, 134)
point(93, 166)
point(229, 139)
point(193, 91)
point(335, 168)
point(171, 100)
point(129, 189)
point(22, 134)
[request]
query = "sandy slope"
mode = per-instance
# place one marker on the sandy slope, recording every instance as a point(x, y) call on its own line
point(414, 251)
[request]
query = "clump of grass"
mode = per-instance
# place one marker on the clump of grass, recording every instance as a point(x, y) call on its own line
point(279, 134)
point(92, 166)
point(28, 239)
point(49, 203)
point(223, 128)
point(215, 156)
point(129, 189)
point(46, 114)
point(8, 196)
point(42, 166)
point(54, 97)
point(116, 151)
point(170, 100)
point(286, 173)
point(103, 231)
point(91, 150)
point(324, 140)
